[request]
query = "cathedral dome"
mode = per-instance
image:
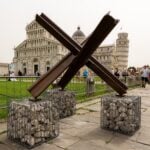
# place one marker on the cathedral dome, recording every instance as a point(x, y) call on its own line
point(78, 36)
point(78, 33)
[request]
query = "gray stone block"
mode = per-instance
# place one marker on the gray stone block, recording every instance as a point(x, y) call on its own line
point(121, 114)
point(64, 101)
point(31, 123)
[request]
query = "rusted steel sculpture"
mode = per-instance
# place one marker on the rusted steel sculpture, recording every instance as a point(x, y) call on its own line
point(79, 56)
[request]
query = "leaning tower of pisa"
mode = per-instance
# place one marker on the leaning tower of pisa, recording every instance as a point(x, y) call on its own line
point(122, 49)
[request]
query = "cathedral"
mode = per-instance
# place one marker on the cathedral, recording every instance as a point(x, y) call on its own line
point(40, 51)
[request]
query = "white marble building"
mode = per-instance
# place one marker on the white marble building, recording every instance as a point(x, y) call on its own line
point(111, 55)
point(4, 69)
point(40, 51)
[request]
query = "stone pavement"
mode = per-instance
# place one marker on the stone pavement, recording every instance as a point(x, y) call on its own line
point(82, 131)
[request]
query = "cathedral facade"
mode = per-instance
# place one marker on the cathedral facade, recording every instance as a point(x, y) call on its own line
point(41, 51)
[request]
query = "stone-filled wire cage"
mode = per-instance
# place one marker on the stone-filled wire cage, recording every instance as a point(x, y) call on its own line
point(32, 123)
point(121, 114)
point(64, 100)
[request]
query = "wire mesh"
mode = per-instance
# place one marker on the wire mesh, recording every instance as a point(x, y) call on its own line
point(64, 101)
point(121, 114)
point(32, 123)
point(84, 91)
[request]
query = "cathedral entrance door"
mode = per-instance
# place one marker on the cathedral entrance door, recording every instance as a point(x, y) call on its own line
point(24, 71)
point(36, 68)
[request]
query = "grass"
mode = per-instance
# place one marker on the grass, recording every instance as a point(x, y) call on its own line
point(3, 113)
point(99, 90)
point(17, 90)
point(12, 90)
point(78, 86)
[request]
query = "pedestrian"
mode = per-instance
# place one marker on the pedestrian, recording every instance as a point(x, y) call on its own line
point(12, 76)
point(144, 76)
point(116, 73)
point(124, 75)
point(85, 73)
point(19, 73)
point(90, 86)
point(37, 74)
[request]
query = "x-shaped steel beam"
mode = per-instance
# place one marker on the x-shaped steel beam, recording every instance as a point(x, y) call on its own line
point(78, 56)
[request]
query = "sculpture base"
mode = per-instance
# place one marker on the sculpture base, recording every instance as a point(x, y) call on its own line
point(32, 123)
point(64, 101)
point(121, 114)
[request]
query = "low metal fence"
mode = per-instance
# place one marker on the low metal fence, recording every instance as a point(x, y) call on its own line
point(15, 88)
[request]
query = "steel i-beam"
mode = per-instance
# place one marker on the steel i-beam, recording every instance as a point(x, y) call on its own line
point(92, 63)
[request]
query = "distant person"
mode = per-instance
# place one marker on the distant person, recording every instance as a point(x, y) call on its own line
point(9, 76)
point(12, 76)
point(37, 74)
point(112, 71)
point(90, 86)
point(19, 73)
point(125, 74)
point(116, 73)
point(144, 75)
point(85, 73)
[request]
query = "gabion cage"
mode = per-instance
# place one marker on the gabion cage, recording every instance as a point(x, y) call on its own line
point(64, 101)
point(32, 123)
point(121, 114)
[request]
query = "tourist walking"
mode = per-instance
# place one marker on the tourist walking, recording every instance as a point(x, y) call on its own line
point(144, 76)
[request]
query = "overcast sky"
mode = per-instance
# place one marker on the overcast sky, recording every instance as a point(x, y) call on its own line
point(134, 16)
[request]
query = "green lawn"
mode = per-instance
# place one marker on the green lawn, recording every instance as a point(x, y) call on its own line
point(12, 90)
point(17, 90)
point(80, 90)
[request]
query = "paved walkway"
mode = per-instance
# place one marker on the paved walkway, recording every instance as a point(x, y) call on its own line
point(82, 131)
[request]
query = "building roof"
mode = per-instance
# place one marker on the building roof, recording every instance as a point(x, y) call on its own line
point(4, 64)
point(78, 33)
